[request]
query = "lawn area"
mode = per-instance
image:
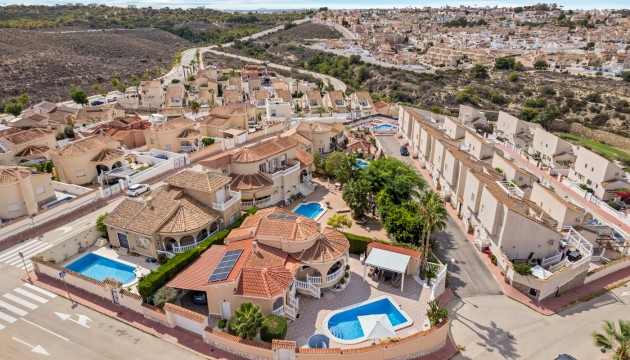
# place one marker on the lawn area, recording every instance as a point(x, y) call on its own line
point(604, 150)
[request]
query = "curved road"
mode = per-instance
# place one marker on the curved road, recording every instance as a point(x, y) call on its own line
point(177, 72)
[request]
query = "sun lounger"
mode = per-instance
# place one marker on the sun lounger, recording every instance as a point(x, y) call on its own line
point(343, 210)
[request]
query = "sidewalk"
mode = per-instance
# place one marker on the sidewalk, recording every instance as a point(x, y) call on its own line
point(545, 307)
point(557, 184)
point(182, 338)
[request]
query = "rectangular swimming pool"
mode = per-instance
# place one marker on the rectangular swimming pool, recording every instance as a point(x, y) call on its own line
point(99, 268)
point(344, 326)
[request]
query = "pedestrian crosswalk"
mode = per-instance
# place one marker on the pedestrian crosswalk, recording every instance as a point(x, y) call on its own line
point(13, 305)
point(28, 249)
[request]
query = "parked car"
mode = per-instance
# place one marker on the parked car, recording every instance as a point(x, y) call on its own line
point(565, 357)
point(199, 298)
point(112, 99)
point(135, 190)
point(404, 151)
point(96, 102)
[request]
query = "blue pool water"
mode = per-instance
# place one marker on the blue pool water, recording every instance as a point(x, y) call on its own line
point(383, 128)
point(345, 325)
point(311, 210)
point(362, 164)
point(100, 268)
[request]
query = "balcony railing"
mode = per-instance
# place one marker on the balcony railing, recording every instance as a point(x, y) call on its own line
point(285, 311)
point(234, 197)
point(511, 188)
point(168, 254)
point(181, 249)
point(286, 172)
point(261, 202)
point(336, 275)
point(295, 302)
point(308, 287)
point(314, 279)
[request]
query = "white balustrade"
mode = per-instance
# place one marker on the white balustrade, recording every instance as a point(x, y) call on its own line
point(336, 275)
point(234, 197)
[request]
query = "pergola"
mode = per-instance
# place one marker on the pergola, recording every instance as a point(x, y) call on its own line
point(388, 260)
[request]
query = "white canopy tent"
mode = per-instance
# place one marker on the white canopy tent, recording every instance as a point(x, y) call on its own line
point(376, 326)
point(388, 260)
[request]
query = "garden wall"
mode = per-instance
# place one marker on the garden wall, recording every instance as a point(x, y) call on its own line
point(102, 289)
point(605, 137)
point(611, 267)
point(70, 246)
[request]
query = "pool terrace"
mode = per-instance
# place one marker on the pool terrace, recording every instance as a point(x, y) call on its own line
point(313, 311)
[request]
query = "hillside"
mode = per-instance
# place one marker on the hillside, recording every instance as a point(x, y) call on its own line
point(45, 63)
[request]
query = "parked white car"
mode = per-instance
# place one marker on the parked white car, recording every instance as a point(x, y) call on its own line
point(135, 190)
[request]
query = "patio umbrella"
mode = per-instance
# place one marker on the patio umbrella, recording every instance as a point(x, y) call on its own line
point(376, 326)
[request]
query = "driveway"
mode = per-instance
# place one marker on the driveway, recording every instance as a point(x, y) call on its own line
point(469, 276)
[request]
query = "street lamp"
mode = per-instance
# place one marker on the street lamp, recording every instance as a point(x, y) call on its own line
point(25, 269)
point(62, 275)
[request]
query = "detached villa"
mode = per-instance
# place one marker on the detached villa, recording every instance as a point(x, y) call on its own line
point(175, 217)
point(274, 254)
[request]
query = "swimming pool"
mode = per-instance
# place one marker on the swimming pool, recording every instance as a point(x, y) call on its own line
point(344, 327)
point(99, 268)
point(383, 128)
point(362, 164)
point(312, 210)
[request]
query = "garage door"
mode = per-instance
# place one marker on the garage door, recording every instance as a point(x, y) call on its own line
point(190, 325)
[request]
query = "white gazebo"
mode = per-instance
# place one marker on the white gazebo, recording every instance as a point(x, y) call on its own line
point(387, 260)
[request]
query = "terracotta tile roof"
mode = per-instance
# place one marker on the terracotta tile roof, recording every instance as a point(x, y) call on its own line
point(26, 136)
point(380, 105)
point(148, 215)
point(305, 158)
point(88, 144)
point(249, 181)
point(359, 144)
point(330, 245)
point(32, 151)
point(231, 109)
point(217, 161)
point(284, 95)
point(364, 96)
point(215, 120)
point(396, 249)
point(299, 229)
point(195, 276)
point(301, 139)
point(172, 111)
point(190, 215)
point(338, 127)
point(261, 95)
point(232, 94)
point(8, 176)
point(205, 181)
point(176, 90)
point(312, 126)
point(44, 106)
point(264, 283)
point(265, 256)
point(174, 124)
point(314, 95)
point(263, 150)
point(108, 154)
point(189, 133)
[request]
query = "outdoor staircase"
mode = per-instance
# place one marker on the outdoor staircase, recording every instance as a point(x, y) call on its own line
point(305, 189)
point(335, 332)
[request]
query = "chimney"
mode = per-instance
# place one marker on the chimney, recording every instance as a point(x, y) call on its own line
point(255, 246)
point(149, 202)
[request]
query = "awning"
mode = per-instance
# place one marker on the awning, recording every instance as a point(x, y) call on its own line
point(388, 260)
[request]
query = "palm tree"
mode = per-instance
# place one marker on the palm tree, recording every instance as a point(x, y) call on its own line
point(211, 91)
point(435, 313)
point(320, 111)
point(617, 342)
point(194, 106)
point(355, 194)
point(430, 273)
point(433, 216)
point(246, 321)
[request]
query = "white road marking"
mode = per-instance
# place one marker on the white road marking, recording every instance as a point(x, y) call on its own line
point(43, 328)
point(38, 349)
point(11, 251)
point(20, 301)
point(625, 293)
point(45, 292)
point(29, 295)
point(1, 326)
point(7, 318)
point(16, 259)
point(12, 308)
point(83, 319)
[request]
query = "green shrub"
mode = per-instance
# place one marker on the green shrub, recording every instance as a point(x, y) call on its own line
point(177, 263)
point(342, 281)
point(358, 244)
point(164, 295)
point(522, 268)
point(614, 205)
point(348, 267)
point(222, 324)
point(346, 275)
point(273, 327)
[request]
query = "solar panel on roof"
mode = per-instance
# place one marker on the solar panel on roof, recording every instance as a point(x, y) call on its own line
point(282, 216)
point(225, 265)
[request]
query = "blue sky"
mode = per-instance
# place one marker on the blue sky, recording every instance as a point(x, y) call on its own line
point(340, 4)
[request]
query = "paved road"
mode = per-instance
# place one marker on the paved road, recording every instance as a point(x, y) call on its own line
point(30, 328)
point(469, 276)
point(481, 326)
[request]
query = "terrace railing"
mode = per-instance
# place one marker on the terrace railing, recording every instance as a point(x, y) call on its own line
point(336, 275)
point(309, 288)
point(314, 279)
point(234, 197)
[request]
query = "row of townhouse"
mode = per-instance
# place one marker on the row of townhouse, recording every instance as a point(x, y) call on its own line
point(502, 204)
point(578, 163)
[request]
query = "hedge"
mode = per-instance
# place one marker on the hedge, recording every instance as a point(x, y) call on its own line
point(359, 244)
point(273, 327)
point(156, 279)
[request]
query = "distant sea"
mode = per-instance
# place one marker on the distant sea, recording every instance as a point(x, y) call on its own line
point(260, 5)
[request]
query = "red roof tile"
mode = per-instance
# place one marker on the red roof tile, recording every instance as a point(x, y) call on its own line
point(396, 249)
